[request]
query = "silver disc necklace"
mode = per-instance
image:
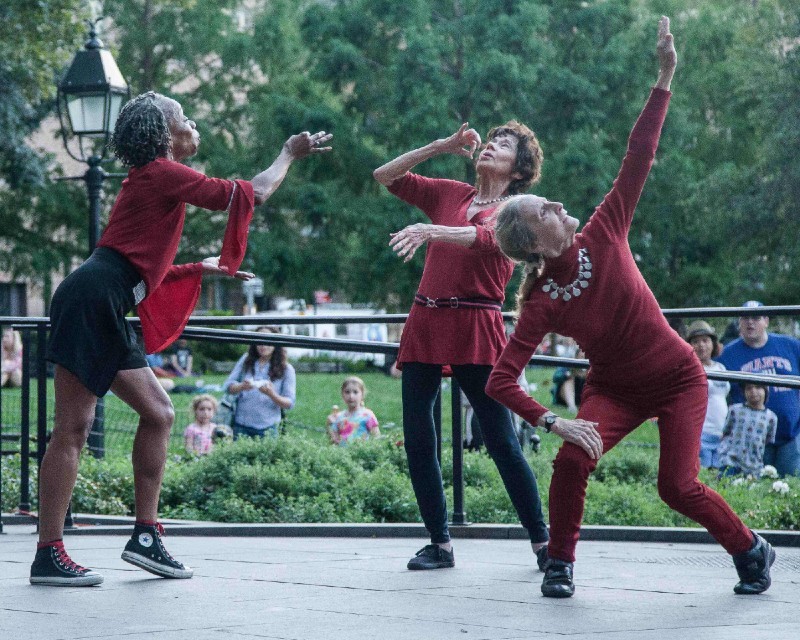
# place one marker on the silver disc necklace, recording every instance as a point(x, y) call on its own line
point(574, 288)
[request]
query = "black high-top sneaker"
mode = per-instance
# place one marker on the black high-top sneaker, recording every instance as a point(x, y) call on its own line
point(52, 566)
point(146, 550)
point(753, 567)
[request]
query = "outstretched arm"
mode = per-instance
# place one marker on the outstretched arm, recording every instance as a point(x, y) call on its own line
point(211, 265)
point(296, 147)
point(406, 241)
point(463, 142)
point(615, 213)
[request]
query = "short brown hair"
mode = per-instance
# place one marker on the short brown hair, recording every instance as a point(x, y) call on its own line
point(529, 155)
point(203, 397)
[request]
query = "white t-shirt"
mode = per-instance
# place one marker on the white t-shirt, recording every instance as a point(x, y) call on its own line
point(717, 406)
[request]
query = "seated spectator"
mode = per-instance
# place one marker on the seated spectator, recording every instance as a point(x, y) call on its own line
point(748, 428)
point(355, 422)
point(568, 385)
point(156, 362)
point(266, 386)
point(12, 359)
point(180, 361)
point(703, 339)
point(198, 437)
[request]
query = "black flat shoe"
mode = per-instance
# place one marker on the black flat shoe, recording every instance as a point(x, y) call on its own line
point(753, 567)
point(432, 556)
point(557, 581)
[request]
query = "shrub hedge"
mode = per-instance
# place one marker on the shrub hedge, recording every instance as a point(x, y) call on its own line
point(301, 479)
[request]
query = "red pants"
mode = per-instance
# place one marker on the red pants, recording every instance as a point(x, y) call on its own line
point(681, 410)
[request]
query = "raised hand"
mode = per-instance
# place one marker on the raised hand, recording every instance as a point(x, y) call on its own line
point(211, 265)
point(305, 143)
point(580, 432)
point(406, 241)
point(667, 56)
point(463, 142)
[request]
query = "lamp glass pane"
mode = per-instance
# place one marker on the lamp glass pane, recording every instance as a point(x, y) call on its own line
point(116, 105)
point(87, 113)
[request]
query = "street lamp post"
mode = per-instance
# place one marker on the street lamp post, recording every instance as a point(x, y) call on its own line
point(90, 96)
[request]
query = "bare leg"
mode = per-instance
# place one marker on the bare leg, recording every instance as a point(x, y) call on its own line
point(15, 379)
point(140, 389)
point(74, 415)
point(567, 393)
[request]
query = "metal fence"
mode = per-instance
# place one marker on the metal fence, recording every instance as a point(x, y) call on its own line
point(17, 437)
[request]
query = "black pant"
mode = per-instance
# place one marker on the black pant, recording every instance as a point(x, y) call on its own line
point(420, 385)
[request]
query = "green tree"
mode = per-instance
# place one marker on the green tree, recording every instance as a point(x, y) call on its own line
point(38, 218)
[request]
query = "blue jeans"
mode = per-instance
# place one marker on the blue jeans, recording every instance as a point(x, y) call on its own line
point(709, 454)
point(240, 430)
point(729, 472)
point(420, 385)
point(784, 457)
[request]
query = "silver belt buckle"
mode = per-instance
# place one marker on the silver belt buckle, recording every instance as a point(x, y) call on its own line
point(454, 303)
point(430, 302)
point(139, 292)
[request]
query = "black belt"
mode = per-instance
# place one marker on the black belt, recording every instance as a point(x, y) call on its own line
point(458, 303)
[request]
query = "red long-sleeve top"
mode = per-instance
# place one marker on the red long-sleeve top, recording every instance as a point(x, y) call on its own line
point(616, 321)
point(145, 226)
point(444, 335)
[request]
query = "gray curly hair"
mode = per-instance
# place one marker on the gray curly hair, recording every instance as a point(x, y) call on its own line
point(142, 133)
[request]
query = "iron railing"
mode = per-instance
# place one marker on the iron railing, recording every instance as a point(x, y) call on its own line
point(204, 328)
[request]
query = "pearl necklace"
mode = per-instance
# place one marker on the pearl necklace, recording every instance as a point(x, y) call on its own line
point(574, 288)
point(480, 203)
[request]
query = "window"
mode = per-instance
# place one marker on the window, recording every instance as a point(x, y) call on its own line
point(13, 301)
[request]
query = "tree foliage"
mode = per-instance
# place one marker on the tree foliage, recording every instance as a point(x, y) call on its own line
point(717, 219)
point(38, 218)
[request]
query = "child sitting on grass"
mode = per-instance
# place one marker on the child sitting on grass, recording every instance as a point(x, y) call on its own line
point(356, 421)
point(748, 428)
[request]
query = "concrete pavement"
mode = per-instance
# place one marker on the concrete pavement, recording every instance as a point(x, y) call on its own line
point(353, 588)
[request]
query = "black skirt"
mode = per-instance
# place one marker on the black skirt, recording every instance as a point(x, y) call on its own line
point(89, 335)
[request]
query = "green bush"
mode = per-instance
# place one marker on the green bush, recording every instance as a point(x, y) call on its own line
point(10, 482)
point(628, 465)
point(104, 486)
point(301, 478)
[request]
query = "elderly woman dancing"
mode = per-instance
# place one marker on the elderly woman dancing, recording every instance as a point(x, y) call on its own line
point(93, 346)
point(456, 319)
point(587, 286)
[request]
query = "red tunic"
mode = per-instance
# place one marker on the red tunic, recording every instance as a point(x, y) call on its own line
point(616, 320)
point(145, 226)
point(454, 336)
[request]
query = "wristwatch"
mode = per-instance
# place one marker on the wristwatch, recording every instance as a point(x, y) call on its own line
point(549, 421)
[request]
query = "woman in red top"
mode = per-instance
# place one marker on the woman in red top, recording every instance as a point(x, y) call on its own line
point(456, 317)
point(591, 289)
point(93, 346)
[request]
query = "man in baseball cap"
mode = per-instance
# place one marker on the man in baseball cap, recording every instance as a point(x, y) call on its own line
point(758, 351)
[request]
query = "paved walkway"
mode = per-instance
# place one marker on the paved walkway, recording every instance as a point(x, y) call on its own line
point(353, 589)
